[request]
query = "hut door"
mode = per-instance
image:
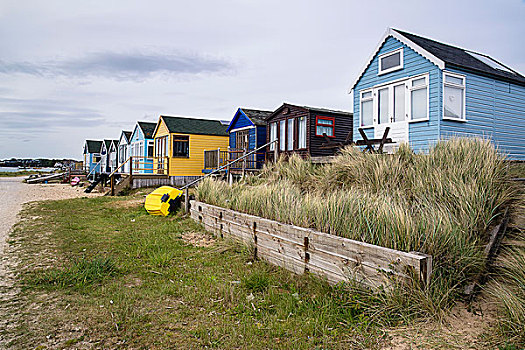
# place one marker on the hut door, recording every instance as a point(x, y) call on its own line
point(392, 112)
point(242, 139)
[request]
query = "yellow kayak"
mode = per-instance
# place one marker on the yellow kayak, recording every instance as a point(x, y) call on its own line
point(163, 201)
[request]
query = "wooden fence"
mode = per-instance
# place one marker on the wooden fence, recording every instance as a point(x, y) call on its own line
point(303, 250)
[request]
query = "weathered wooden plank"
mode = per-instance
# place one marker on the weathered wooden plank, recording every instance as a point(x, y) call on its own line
point(345, 269)
point(300, 249)
point(286, 248)
point(222, 226)
point(277, 259)
point(364, 253)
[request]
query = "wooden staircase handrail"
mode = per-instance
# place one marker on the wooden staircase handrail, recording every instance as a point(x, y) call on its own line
point(120, 166)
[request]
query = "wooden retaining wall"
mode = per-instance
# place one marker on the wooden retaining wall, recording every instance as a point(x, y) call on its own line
point(303, 250)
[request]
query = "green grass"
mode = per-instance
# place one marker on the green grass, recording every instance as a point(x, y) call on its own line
point(78, 273)
point(441, 203)
point(101, 274)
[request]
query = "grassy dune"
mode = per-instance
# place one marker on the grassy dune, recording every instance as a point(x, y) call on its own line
point(441, 204)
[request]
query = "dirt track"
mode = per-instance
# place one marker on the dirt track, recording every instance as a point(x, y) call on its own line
point(13, 194)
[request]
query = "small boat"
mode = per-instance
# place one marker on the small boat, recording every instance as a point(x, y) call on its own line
point(163, 201)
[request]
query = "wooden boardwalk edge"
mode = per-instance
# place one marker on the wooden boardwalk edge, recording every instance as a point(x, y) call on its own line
point(300, 249)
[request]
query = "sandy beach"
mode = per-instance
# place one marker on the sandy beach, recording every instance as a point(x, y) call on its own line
point(14, 193)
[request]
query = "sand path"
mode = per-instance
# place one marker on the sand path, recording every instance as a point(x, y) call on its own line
point(13, 194)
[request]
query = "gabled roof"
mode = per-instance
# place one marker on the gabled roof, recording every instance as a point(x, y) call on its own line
point(147, 128)
point(183, 125)
point(115, 143)
point(448, 56)
point(93, 146)
point(127, 135)
point(310, 109)
point(457, 57)
point(256, 116)
point(107, 144)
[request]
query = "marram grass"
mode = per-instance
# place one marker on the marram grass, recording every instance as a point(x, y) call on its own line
point(508, 291)
point(440, 203)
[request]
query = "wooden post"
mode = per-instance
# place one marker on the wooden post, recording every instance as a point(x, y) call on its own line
point(112, 184)
point(243, 163)
point(186, 200)
point(228, 170)
point(218, 158)
point(275, 153)
point(131, 172)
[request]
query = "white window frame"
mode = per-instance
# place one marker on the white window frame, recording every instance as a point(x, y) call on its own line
point(301, 133)
point(385, 71)
point(152, 144)
point(290, 134)
point(361, 100)
point(409, 99)
point(273, 135)
point(282, 135)
point(463, 87)
point(408, 102)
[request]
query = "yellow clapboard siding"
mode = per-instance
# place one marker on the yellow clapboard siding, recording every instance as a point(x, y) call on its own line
point(193, 165)
point(162, 129)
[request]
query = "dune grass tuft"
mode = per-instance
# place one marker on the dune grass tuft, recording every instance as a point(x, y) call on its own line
point(508, 291)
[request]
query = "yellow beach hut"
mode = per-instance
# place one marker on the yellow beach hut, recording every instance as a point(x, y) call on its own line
point(183, 141)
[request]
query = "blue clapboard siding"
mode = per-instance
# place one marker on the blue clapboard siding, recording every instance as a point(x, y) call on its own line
point(147, 163)
point(421, 134)
point(240, 120)
point(261, 141)
point(251, 139)
point(261, 135)
point(256, 134)
point(494, 109)
point(92, 164)
point(232, 142)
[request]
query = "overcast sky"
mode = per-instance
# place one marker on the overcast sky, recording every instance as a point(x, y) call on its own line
point(76, 70)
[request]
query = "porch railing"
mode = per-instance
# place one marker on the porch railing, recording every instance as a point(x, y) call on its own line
point(149, 165)
point(240, 159)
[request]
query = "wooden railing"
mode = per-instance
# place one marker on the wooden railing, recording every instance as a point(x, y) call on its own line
point(240, 159)
point(93, 171)
point(215, 158)
point(147, 165)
